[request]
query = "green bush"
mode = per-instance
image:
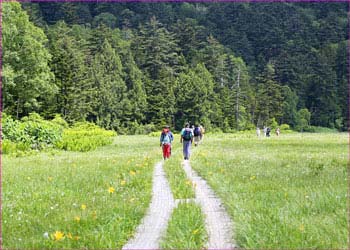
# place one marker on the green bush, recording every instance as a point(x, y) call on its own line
point(84, 136)
point(32, 130)
point(17, 149)
point(284, 127)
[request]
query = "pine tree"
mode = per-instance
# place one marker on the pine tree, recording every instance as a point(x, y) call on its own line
point(110, 105)
point(26, 73)
point(68, 65)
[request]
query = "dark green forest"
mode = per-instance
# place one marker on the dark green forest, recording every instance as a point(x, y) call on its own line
point(229, 66)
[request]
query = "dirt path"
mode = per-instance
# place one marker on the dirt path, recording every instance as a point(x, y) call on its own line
point(154, 224)
point(218, 223)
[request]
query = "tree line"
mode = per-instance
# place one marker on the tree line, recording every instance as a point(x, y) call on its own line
point(123, 66)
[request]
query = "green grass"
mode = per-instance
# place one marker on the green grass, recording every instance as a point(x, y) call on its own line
point(181, 187)
point(44, 193)
point(186, 228)
point(288, 191)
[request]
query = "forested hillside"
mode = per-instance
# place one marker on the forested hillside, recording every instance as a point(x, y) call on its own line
point(232, 66)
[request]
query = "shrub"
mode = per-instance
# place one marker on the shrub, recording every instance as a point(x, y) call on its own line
point(84, 136)
point(284, 127)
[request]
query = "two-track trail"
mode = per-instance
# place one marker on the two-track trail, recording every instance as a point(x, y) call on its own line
point(151, 230)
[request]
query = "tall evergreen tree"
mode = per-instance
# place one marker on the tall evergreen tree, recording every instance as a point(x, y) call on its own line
point(110, 105)
point(26, 73)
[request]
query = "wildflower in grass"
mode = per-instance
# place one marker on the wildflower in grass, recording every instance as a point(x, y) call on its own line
point(132, 172)
point(28, 178)
point(131, 200)
point(123, 182)
point(58, 235)
point(49, 178)
point(252, 177)
point(69, 236)
point(195, 231)
point(76, 237)
point(111, 190)
point(189, 183)
point(46, 235)
point(77, 218)
point(83, 207)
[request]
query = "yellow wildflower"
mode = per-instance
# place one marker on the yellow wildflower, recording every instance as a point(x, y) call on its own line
point(69, 236)
point(83, 207)
point(58, 235)
point(76, 237)
point(50, 178)
point(195, 231)
point(252, 178)
point(123, 182)
point(189, 183)
point(132, 172)
point(77, 218)
point(111, 190)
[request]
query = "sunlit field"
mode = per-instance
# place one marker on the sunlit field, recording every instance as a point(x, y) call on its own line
point(288, 191)
point(74, 200)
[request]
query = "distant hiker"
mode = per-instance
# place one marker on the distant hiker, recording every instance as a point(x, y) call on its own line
point(278, 131)
point(265, 130)
point(166, 138)
point(268, 130)
point(197, 135)
point(202, 132)
point(186, 140)
point(258, 132)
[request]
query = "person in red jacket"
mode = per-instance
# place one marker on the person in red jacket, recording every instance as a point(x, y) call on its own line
point(166, 139)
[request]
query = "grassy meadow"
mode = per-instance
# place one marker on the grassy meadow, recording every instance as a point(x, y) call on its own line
point(281, 192)
point(75, 200)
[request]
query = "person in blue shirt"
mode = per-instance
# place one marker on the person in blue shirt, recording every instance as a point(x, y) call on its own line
point(186, 140)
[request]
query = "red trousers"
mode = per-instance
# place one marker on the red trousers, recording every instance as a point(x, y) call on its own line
point(166, 150)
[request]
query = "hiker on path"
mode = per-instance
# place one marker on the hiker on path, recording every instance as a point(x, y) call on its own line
point(186, 140)
point(258, 132)
point(202, 132)
point(197, 135)
point(265, 131)
point(268, 130)
point(278, 131)
point(166, 138)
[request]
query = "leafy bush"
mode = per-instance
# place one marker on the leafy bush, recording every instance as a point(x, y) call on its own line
point(32, 130)
point(315, 129)
point(15, 148)
point(284, 127)
point(84, 136)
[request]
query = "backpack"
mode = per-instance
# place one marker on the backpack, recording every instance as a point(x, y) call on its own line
point(187, 135)
point(166, 137)
point(197, 131)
